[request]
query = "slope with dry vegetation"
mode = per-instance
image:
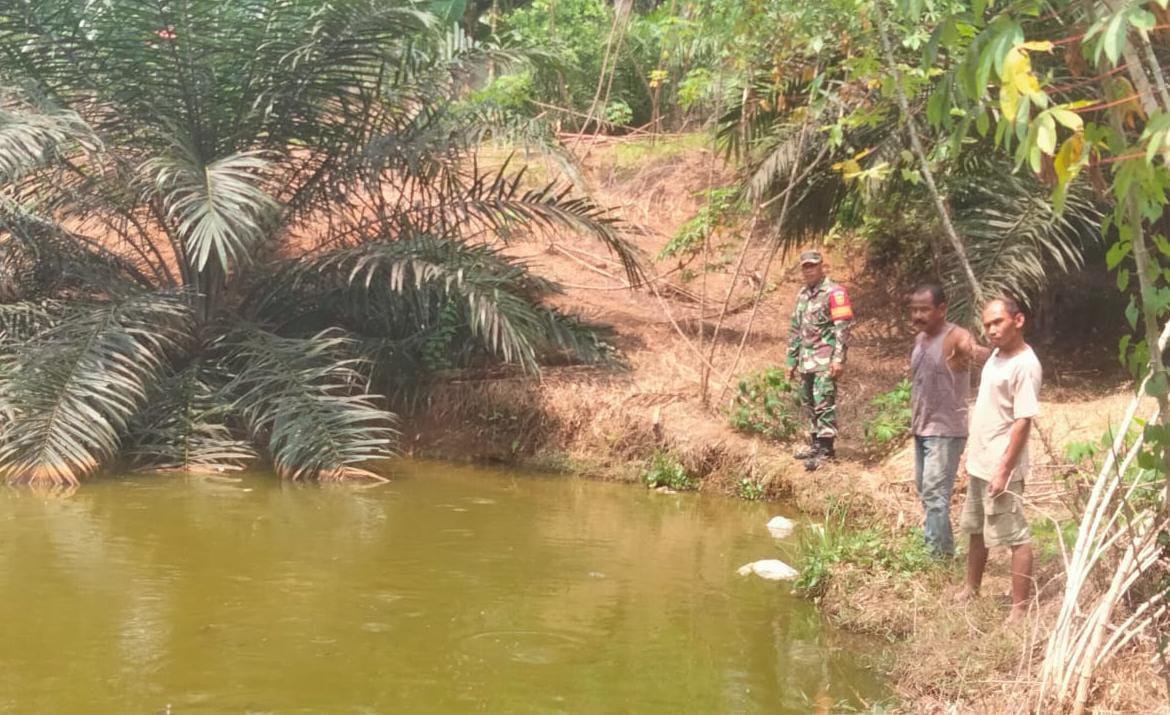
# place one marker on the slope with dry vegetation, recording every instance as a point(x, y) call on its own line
point(611, 422)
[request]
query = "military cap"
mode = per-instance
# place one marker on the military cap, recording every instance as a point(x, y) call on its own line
point(810, 257)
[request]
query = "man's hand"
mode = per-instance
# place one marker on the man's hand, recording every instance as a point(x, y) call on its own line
point(791, 374)
point(836, 369)
point(999, 482)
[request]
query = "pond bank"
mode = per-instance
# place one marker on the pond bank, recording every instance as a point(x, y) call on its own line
point(873, 580)
point(674, 338)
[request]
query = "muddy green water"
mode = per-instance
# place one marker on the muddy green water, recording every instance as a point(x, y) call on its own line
point(453, 589)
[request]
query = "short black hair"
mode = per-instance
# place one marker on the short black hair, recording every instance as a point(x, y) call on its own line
point(937, 295)
point(1010, 304)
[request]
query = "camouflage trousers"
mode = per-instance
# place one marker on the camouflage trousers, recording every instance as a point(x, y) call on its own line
point(820, 401)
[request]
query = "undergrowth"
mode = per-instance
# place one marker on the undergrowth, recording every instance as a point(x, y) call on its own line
point(890, 420)
point(872, 548)
point(766, 403)
point(666, 471)
point(719, 207)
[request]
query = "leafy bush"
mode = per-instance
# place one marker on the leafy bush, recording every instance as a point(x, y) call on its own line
point(766, 403)
point(666, 471)
point(824, 546)
point(749, 489)
point(890, 420)
point(570, 39)
point(618, 113)
point(719, 207)
point(508, 92)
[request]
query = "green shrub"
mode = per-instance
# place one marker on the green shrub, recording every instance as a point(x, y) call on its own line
point(720, 206)
point(618, 113)
point(824, 546)
point(749, 489)
point(766, 403)
point(666, 471)
point(890, 420)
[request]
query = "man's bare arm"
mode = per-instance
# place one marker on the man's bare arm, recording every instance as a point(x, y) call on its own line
point(1016, 441)
point(963, 352)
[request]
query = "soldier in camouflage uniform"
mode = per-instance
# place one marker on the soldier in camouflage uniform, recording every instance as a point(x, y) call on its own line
point(817, 343)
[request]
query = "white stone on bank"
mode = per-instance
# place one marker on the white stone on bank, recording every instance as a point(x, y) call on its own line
point(780, 527)
point(771, 569)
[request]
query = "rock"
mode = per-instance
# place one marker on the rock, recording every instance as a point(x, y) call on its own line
point(771, 569)
point(780, 527)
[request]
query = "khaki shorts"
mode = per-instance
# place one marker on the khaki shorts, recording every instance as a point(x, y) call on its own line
point(1001, 520)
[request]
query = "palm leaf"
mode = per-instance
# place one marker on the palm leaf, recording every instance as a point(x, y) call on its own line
point(38, 257)
point(75, 387)
point(31, 137)
point(221, 209)
point(23, 321)
point(304, 399)
point(185, 428)
point(377, 282)
point(1016, 242)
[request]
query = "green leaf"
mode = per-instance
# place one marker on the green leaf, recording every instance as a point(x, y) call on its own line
point(1157, 386)
point(1143, 20)
point(1123, 280)
point(1116, 254)
point(936, 104)
point(1131, 314)
point(1113, 39)
point(982, 123)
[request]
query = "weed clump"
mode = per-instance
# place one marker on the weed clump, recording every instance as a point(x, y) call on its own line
point(826, 546)
point(666, 471)
point(890, 421)
point(766, 403)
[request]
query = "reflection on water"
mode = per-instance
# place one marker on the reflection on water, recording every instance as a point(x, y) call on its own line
point(452, 589)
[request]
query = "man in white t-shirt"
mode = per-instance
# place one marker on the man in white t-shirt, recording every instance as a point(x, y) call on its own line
point(997, 453)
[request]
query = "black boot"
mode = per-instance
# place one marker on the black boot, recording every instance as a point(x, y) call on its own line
point(822, 451)
point(825, 445)
point(809, 450)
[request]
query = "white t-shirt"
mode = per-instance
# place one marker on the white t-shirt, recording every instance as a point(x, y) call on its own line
point(1008, 391)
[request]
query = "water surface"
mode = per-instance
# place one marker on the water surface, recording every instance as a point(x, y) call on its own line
point(452, 589)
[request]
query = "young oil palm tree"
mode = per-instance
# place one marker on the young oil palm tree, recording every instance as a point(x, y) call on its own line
point(219, 221)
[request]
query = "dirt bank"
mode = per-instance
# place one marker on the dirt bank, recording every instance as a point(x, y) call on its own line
point(608, 423)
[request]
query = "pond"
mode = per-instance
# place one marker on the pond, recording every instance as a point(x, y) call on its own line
point(451, 589)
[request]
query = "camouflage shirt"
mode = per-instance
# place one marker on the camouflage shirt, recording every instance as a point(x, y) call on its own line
point(820, 327)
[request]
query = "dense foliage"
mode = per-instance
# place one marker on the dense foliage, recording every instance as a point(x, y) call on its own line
point(227, 229)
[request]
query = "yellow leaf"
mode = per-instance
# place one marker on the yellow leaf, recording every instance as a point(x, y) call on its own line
point(862, 154)
point(1038, 46)
point(1017, 70)
point(1014, 63)
point(848, 168)
point(1067, 161)
point(1027, 84)
point(1009, 100)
